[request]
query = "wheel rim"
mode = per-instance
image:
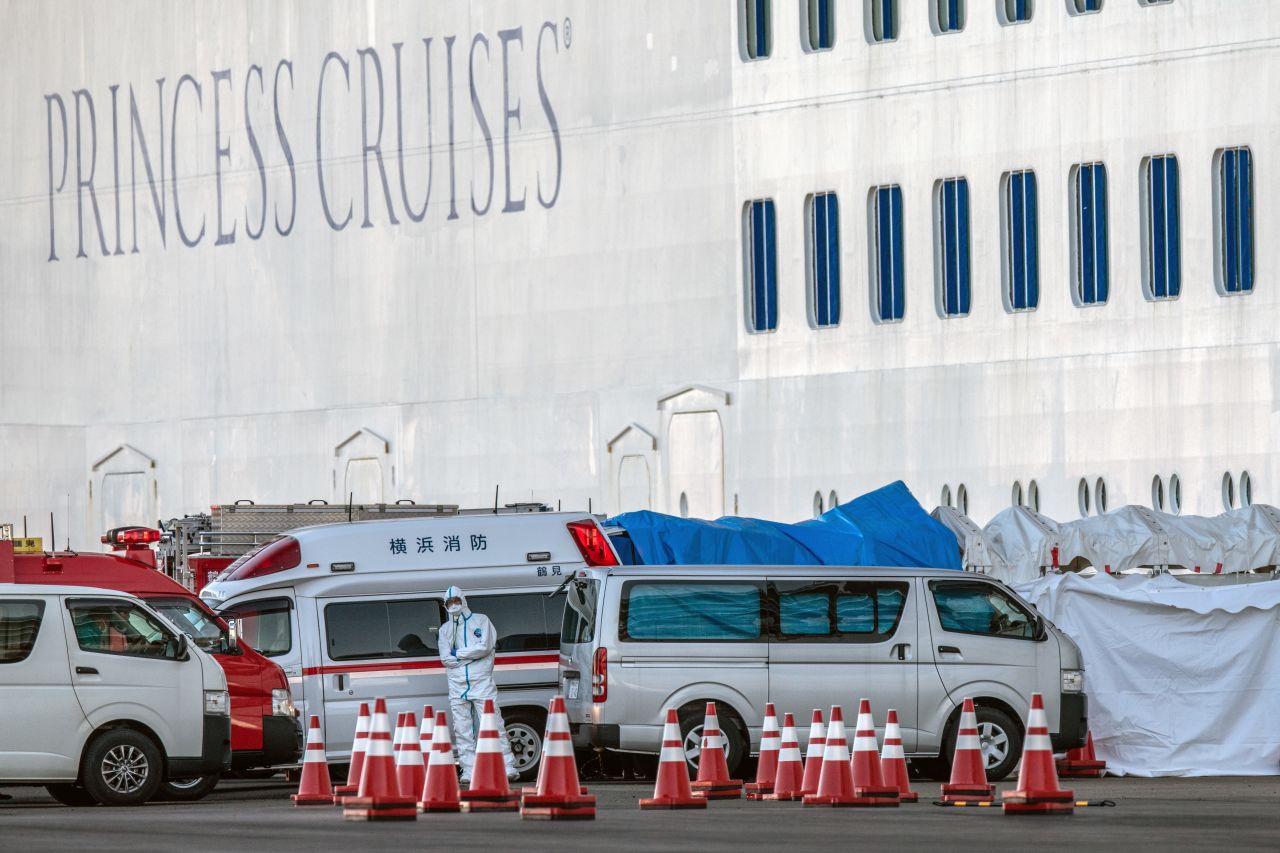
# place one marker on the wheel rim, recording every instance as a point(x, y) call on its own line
point(125, 769)
point(995, 744)
point(185, 784)
point(526, 746)
point(693, 746)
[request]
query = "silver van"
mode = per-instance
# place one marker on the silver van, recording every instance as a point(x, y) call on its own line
point(639, 639)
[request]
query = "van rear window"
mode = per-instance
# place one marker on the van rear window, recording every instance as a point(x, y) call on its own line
point(525, 622)
point(19, 624)
point(692, 611)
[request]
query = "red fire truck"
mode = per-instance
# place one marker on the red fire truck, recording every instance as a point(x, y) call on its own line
point(264, 728)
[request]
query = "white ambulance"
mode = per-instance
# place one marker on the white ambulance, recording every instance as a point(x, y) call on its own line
point(351, 611)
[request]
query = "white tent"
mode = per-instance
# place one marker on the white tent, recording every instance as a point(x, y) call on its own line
point(1025, 540)
point(1181, 679)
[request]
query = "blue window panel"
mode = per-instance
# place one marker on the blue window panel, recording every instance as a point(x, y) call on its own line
point(1164, 261)
point(954, 227)
point(1023, 259)
point(684, 611)
point(856, 613)
point(1018, 11)
point(1236, 202)
point(764, 266)
point(820, 30)
point(1091, 234)
point(756, 26)
point(825, 274)
point(804, 614)
point(949, 19)
point(886, 28)
point(889, 253)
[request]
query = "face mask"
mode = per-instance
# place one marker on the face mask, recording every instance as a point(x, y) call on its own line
point(454, 609)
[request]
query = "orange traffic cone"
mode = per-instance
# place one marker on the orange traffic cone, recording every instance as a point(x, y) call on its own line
point(424, 733)
point(489, 791)
point(1081, 763)
point(672, 790)
point(358, 746)
point(835, 785)
point(713, 780)
point(559, 795)
point(1038, 791)
point(789, 778)
point(314, 789)
point(893, 761)
point(767, 768)
point(968, 767)
point(813, 755)
point(869, 788)
point(411, 772)
point(379, 795)
point(440, 791)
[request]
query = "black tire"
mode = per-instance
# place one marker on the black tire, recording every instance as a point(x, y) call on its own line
point(187, 790)
point(524, 734)
point(933, 769)
point(70, 795)
point(1001, 738)
point(122, 767)
point(693, 715)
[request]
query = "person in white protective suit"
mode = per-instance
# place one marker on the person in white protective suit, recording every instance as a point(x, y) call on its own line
point(467, 642)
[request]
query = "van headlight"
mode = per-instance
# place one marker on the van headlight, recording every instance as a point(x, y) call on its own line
point(217, 702)
point(282, 703)
point(1072, 680)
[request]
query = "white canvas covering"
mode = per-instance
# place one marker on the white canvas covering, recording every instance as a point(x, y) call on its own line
point(977, 554)
point(1181, 679)
point(1134, 536)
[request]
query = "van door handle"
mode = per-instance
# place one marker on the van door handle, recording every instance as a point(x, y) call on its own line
point(901, 650)
point(86, 670)
point(339, 681)
point(948, 650)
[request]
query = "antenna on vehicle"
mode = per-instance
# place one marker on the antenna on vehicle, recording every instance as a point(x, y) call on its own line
point(589, 506)
point(24, 527)
point(351, 496)
point(495, 498)
point(53, 540)
point(557, 504)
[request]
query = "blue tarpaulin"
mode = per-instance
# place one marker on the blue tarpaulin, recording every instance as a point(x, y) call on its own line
point(887, 527)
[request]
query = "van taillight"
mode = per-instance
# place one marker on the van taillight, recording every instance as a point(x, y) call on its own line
point(284, 553)
point(600, 675)
point(592, 543)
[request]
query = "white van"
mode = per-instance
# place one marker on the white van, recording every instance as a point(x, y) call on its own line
point(102, 699)
point(639, 639)
point(351, 611)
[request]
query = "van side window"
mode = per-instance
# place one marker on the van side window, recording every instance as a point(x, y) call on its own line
point(264, 625)
point(843, 611)
point(19, 624)
point(692, 611)
point(980, 608)
point(117, 627)
point(383, 629)
point(529, 622)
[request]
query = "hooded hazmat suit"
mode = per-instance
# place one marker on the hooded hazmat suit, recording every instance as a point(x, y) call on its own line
point(467, 642)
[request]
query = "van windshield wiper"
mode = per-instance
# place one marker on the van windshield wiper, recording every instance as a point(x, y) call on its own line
point(560, 588)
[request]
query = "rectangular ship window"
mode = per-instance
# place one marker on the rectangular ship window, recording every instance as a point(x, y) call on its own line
point(821, 29)
point(757, 35)
point(951, 230)
point(1016, 11)
point(1234, 207)
point(887, 253)
point(1021, 239)
point(948, 16)
point(760, 237)
point(1162, 258)
point(823, 225)
point(1084, 7)
point(1089, 226)
point(882, 20)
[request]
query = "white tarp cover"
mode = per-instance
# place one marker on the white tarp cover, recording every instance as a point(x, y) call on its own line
point(1182, 680)
point(977, 554)
point(1132, 536)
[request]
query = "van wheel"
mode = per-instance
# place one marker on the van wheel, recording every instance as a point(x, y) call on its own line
point(693, 715)
point(70, 795)
point(1001, 739)
point(187, 790)
point(121, 767)
point(524, 734)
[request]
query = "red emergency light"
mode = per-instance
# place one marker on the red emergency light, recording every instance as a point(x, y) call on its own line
point(130, 537)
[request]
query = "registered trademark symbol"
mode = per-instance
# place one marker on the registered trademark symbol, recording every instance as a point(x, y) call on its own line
point(568, 32)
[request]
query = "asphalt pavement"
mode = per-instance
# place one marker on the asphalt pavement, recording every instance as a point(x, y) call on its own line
point(1150, 814)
